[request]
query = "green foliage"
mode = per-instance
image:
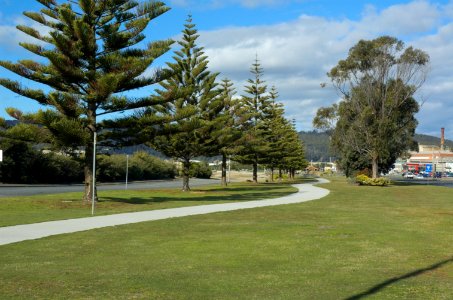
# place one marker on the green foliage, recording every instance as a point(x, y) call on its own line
point(200, 170)
point(317, 145)
point(196, 109)
point(23, 164)
point(362, 179)
point(142, 166)
point(257, 103)
point(375, 122)
point(87, 63)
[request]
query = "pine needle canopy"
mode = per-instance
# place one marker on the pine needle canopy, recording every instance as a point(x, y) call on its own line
point(92, 52)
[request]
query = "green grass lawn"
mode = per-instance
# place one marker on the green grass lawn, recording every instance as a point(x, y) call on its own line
point(382, 243)
point(33, 209)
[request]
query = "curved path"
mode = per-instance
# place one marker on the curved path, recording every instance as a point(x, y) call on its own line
point(18, 233)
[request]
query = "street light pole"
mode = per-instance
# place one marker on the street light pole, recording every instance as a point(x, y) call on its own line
point(229, 168)
point(94, 174)
point(127, 168)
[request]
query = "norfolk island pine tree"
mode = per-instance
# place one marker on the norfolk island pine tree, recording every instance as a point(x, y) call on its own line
point(256, 102)
point(91, 62)
point(189, 137)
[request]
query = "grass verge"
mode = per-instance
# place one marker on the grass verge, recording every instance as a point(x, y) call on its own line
point(40, 208)
point(358, 242)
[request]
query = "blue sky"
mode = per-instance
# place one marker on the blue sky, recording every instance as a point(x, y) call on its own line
point(297, 42)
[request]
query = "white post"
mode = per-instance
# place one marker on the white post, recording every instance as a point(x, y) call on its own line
point(229, 168)
point(127, 168)
point(94, 174)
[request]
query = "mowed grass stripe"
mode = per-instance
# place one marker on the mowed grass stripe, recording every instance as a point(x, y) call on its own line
point(41, 208)
point(391, 243)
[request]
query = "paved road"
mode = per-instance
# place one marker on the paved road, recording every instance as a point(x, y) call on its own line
point(7, 190)
point(18, 233)
point(446, 182)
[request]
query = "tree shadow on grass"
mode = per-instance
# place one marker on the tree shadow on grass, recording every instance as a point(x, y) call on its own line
point(382, 285)
point(244, 194)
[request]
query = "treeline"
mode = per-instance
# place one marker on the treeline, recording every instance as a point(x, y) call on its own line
point(318, 148)
point(423, 139)
point(23, 163)
point(95, 56)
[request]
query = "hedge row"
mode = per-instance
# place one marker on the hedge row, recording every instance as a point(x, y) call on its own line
point(24, 164)
point(141, 166)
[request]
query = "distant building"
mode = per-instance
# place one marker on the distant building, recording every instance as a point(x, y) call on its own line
point(429, 158)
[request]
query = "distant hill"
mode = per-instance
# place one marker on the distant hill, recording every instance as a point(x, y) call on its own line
point(424, 139)
point(317, 145)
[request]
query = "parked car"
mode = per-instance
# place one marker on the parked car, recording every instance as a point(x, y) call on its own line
point(409, 175)
point(420, 176)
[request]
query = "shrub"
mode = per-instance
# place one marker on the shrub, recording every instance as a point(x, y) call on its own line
point(365, 180)
point(24, 164)
point(142, 166)
point(362, 179)
point(200, 170)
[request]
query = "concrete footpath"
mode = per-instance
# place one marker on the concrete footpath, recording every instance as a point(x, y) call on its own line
point(18, 233)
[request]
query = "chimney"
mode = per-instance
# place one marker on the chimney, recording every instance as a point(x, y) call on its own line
point(442, 138)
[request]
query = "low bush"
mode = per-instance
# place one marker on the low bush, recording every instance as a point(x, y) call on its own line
point(200, 170)
point(24, 164)
point(142, 166)
point(362, 179)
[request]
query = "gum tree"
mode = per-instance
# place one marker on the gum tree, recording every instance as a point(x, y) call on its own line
point(376, 118)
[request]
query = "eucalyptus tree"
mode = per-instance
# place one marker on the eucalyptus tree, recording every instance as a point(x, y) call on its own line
point(93, 54)
point(376, 118)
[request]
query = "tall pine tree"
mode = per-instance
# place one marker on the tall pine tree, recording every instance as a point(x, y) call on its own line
point(191, 136)
point(227, 131)
point(91, 62)
point(257, 102)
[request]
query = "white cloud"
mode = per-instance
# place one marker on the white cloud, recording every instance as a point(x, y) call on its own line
point(297, 55)
point(10, 36)
point(222, 3)
point(402, 19)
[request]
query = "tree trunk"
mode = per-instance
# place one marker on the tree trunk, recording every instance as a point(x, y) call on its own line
point(88, 172)
point(272, 174)
point(255, 172)
point(185, 175)
point(374, 166)
point(224, 170)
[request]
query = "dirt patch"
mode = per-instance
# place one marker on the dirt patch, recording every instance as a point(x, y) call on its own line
point(240, 176)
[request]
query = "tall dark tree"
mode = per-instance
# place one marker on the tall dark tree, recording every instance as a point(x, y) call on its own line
point(376, 118)
point(191, 136)
point(227, 132)
point(91, 63)
point(285, 150)
point(257, 102)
